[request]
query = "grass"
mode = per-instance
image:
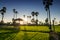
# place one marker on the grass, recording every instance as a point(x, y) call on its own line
point(26, 33)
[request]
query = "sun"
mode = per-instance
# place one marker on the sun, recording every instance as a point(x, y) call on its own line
point(24, 21)
point(21, 22)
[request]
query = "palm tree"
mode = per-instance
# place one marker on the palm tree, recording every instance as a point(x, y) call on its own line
point(53, 23)
point(24, 18)
point(46, 21)
point(15, 13)
point(33, 21)
point(36, 17)
point(3, 10)
point(33, 13)
point(28, 17)
point(47, 3)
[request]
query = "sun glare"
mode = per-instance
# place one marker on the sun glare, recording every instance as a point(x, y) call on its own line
point(21, 22)
point(25, 19)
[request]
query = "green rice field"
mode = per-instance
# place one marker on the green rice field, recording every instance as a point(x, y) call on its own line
point(26, 32)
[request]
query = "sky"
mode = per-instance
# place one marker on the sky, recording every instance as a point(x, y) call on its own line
point(25, 7)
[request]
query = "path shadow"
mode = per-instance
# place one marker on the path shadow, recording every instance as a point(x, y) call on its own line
point(53, 36)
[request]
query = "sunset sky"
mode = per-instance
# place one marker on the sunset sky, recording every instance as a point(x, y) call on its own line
point(25, 7)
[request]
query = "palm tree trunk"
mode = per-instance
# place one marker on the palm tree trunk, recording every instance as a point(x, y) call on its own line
point(16, 16)
point(33, 20)
point(2, 17)
point(24, 18)
point(36, 20)
point(49, 20)
point(47, 15)
point(53, 25)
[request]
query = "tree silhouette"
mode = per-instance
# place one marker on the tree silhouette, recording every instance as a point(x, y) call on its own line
point(33, 20)
point(28, 17)
point(46, 21)
point(36, 13)
point(24, 18)
point(33, 13)
point(15, 13)
point(47, 4)
point(3, 10)
point(54, 23)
